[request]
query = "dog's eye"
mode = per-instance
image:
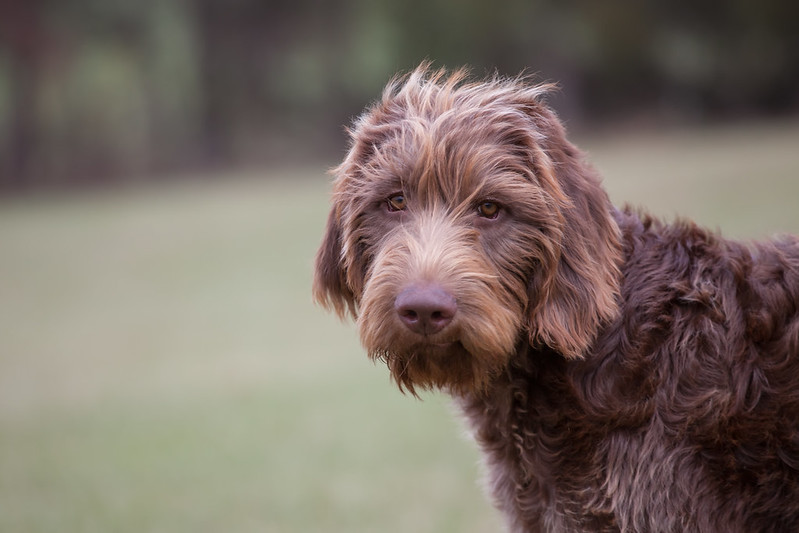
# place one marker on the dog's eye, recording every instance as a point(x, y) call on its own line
point(488, 209)
point(396, 202)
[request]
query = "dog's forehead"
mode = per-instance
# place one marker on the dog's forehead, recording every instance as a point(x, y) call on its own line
point(455, 157)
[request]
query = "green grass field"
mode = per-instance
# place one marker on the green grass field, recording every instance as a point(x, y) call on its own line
point(162, 367)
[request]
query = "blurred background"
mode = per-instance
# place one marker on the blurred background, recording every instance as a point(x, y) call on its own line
point(101, 90)
point(163, 191)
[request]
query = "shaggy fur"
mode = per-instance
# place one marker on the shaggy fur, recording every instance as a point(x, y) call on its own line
point(619, 374)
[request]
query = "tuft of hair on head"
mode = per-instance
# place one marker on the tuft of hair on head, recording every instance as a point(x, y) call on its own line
point(428, 91)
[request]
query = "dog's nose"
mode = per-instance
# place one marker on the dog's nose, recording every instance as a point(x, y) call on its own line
point(425, 309)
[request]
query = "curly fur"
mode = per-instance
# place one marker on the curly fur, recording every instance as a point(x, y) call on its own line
point(619, 373)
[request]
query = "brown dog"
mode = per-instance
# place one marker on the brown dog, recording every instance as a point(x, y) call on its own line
point(619, 374)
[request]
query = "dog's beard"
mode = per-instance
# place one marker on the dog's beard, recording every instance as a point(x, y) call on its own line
point(443, 365)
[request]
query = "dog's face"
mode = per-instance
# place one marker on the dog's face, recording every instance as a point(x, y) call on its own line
point(454, 237)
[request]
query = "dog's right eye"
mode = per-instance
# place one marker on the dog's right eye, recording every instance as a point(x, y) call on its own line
point(396, 202)
point(488, 210)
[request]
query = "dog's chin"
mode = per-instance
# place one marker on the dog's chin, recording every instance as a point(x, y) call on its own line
point(445, 365)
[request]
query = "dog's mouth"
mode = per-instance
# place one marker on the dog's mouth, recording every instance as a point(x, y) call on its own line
point(440, 348)
point(441, 345)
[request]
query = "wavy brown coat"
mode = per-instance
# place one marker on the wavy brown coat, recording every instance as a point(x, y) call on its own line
point(619, 374)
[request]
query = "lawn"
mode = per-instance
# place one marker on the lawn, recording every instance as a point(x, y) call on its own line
point(162, 367)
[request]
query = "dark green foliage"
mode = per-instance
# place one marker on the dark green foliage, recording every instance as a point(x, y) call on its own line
point(94, 90)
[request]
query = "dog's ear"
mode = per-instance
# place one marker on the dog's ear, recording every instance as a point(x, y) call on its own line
point(339, 265)
point(330, 287)
point(571, 298)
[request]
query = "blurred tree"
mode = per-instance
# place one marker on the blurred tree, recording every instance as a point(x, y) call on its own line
point(109, 89)
point(26, 44)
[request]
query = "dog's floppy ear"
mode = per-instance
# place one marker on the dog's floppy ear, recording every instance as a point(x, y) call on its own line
point(339, 266)
point(330, 287)
point(575, 295)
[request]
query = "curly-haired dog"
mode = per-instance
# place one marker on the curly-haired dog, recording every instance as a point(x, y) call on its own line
point(619, 374)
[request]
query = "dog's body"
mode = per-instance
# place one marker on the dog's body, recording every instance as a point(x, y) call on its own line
point(619, 374)
point(684, 414)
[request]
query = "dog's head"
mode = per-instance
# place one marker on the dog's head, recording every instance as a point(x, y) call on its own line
point(463, 224)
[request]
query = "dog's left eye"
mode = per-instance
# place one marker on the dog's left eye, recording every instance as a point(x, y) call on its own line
point(488, 209)
point(396, 202)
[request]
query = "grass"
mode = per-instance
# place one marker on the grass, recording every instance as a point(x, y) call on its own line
point(162, 367)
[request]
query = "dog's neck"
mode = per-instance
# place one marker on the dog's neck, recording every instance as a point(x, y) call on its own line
point(538, 417)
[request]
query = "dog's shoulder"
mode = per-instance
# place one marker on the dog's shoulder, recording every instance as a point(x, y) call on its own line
point(687, 264)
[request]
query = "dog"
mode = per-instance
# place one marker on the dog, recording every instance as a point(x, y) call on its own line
point(618, 373)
